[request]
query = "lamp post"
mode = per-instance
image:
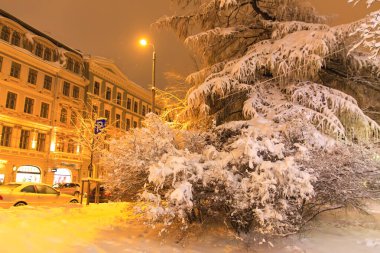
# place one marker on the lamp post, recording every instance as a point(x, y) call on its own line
point(144, 43)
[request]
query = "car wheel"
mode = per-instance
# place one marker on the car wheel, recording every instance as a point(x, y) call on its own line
point(20, 204)
point(74, 201)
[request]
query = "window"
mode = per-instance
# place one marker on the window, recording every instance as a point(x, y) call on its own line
point(97, 88)
point(45, 189)
point(15, 69)
point(76, 67)
point(128, 124)
point(129, 102)
point(28, 106)
point(59, 145)
point(15, 39)
point(63, 117)
point(70, 64)
point(32, 77)
point(44, 113)
point(73, 118)
point(134, 124)
point(38, 50)
point(5, 33)
point(70, 147)
point(48, 80)
point(1, 63)
point(135, 107)
point(75, 92)
point(143, 110)
point(47, 54)
point(29, 189)
point(108, 93)
point(11, 100)
point(6, 135)
point(149, 109)
point(24, 139)
point(66, 89)
point(107, 115)
point(41, 138)
point(118, 98)
point(118, 117)
point(95, 110)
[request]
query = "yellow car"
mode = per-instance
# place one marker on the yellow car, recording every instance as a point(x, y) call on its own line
point(34, 194)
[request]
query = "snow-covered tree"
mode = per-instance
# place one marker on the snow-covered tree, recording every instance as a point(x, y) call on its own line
point(268, 71)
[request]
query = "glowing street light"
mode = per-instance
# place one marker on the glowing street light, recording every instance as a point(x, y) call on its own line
point(144, 43)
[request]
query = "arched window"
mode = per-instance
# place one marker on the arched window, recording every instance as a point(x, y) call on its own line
point(76, 67)
point(5, 33)
point(63, 117)
point(16, 38)
point(38, 50)
point(47, 54)
point(70, 64)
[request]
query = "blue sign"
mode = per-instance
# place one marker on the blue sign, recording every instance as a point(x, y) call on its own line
point(100, 124)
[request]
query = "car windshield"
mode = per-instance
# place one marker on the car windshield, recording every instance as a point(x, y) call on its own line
point(9, 186)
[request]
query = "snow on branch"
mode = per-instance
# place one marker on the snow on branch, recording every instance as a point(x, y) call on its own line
point(299, 55)
point(369, 34)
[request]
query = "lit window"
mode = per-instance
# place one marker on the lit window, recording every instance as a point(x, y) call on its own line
point(15, 69)
point(32, 76)
point(11, 100)
point(28, 106)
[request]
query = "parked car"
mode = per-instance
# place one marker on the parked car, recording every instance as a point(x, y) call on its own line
point(35, 194)
point(68, 188)
point(104, 195)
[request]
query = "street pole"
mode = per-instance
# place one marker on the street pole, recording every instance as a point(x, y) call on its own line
point(153, 80)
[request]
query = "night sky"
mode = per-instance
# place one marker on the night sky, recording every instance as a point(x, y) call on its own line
point(112, 28)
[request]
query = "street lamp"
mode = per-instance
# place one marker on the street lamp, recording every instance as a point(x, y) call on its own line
point(144, 43)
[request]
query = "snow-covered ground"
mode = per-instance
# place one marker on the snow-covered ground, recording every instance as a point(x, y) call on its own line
point(114, 227)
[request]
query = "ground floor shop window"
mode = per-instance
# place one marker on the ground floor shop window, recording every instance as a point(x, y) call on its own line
point(28, 174)
point(62, 175)
point(1, 178)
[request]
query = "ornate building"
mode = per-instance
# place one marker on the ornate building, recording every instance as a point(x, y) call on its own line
point(44, 87)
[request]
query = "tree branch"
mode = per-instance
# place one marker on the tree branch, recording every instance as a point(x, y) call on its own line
point(264, 14)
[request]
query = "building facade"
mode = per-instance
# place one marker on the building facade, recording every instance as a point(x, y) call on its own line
point(45, 87)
